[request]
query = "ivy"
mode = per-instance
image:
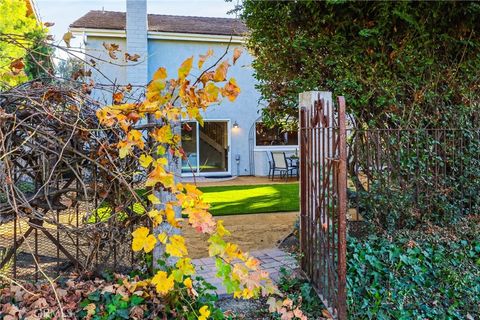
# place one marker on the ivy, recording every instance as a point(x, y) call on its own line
point(430, 278)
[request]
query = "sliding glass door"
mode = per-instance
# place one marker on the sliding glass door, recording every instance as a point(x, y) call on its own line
point(190, 146)
point(206, 147)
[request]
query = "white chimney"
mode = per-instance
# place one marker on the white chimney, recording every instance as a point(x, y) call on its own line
point(137, 43)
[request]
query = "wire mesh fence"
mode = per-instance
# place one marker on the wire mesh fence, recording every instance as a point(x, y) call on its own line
point(86, 236)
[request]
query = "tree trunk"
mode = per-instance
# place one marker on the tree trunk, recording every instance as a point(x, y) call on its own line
point(175, 167)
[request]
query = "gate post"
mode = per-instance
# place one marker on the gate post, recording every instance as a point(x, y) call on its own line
point(342, 210)
point(323, 196)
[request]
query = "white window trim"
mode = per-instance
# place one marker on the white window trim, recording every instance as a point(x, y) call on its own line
point(213, 174)
point(292, 148)
point(278, 147)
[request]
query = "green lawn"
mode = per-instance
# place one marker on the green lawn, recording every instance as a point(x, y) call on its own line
point(228, 200)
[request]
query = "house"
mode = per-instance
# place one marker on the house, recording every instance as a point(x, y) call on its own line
point(232, 140)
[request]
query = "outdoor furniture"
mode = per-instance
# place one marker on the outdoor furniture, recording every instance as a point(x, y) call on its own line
point(270, 168)
point(294, 162)
point(281, 164)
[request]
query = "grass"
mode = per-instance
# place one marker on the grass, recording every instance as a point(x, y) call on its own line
point(229, 200)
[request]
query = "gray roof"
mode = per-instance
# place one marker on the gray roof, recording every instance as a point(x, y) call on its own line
point(112, 20)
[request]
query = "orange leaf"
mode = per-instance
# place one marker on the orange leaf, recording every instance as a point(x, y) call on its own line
point(236, 54)
point(221, 72)
point(117, 97)
point(161, 73)
point(231, 90)
point(17, 65)
point(204, 57)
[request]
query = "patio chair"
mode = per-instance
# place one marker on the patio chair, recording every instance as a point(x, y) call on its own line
point(294, 164)
point(270, 167)
point(281, 165)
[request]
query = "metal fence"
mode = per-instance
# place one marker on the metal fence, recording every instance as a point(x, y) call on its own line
point(375, 180)
point(323, 156)
point(401, 178)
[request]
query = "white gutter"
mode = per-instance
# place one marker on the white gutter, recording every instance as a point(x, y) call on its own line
point(155, 35)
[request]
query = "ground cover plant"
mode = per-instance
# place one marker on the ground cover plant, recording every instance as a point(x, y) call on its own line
point(430, 273)
point(226, 200)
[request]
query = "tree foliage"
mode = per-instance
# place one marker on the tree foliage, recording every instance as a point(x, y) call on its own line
point(20, 32)
point(397, 63)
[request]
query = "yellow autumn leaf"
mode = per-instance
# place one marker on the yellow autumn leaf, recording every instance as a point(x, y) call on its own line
point(252, 263)
point(134, 135)
point(176, 247)
point(163, 134)
point(123, 149)
point(67, 37)
point(171, 218)
point(211, 92)
point(188, 283)
point(221, 229)
point(185, 265)
point(161, 74)
point(233, 252)
point(185, 68)
point(156, 217)
point(153, 199)
point(216, 245)
point(163, 283)
point(163, 237)
point(247, 293)
point(143, 240)
point(159, 175)
point(145, 160)
point(204, 313)
point(154, 90)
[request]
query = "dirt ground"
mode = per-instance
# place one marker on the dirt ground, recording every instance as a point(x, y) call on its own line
point(249, 231)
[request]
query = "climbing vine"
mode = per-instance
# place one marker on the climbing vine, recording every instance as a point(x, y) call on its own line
point(166, 103)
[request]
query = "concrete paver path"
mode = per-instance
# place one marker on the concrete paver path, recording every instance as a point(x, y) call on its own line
point(271, 260)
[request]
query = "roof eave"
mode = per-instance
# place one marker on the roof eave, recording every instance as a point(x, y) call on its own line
point(159, 35)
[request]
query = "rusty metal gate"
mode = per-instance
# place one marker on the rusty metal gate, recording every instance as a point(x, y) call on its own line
point(323, 190)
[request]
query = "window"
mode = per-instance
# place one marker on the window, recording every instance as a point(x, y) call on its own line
point(275, 136)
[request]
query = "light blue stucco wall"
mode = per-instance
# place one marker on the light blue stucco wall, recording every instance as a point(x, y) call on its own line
point(244, 110)
point(170, 54)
